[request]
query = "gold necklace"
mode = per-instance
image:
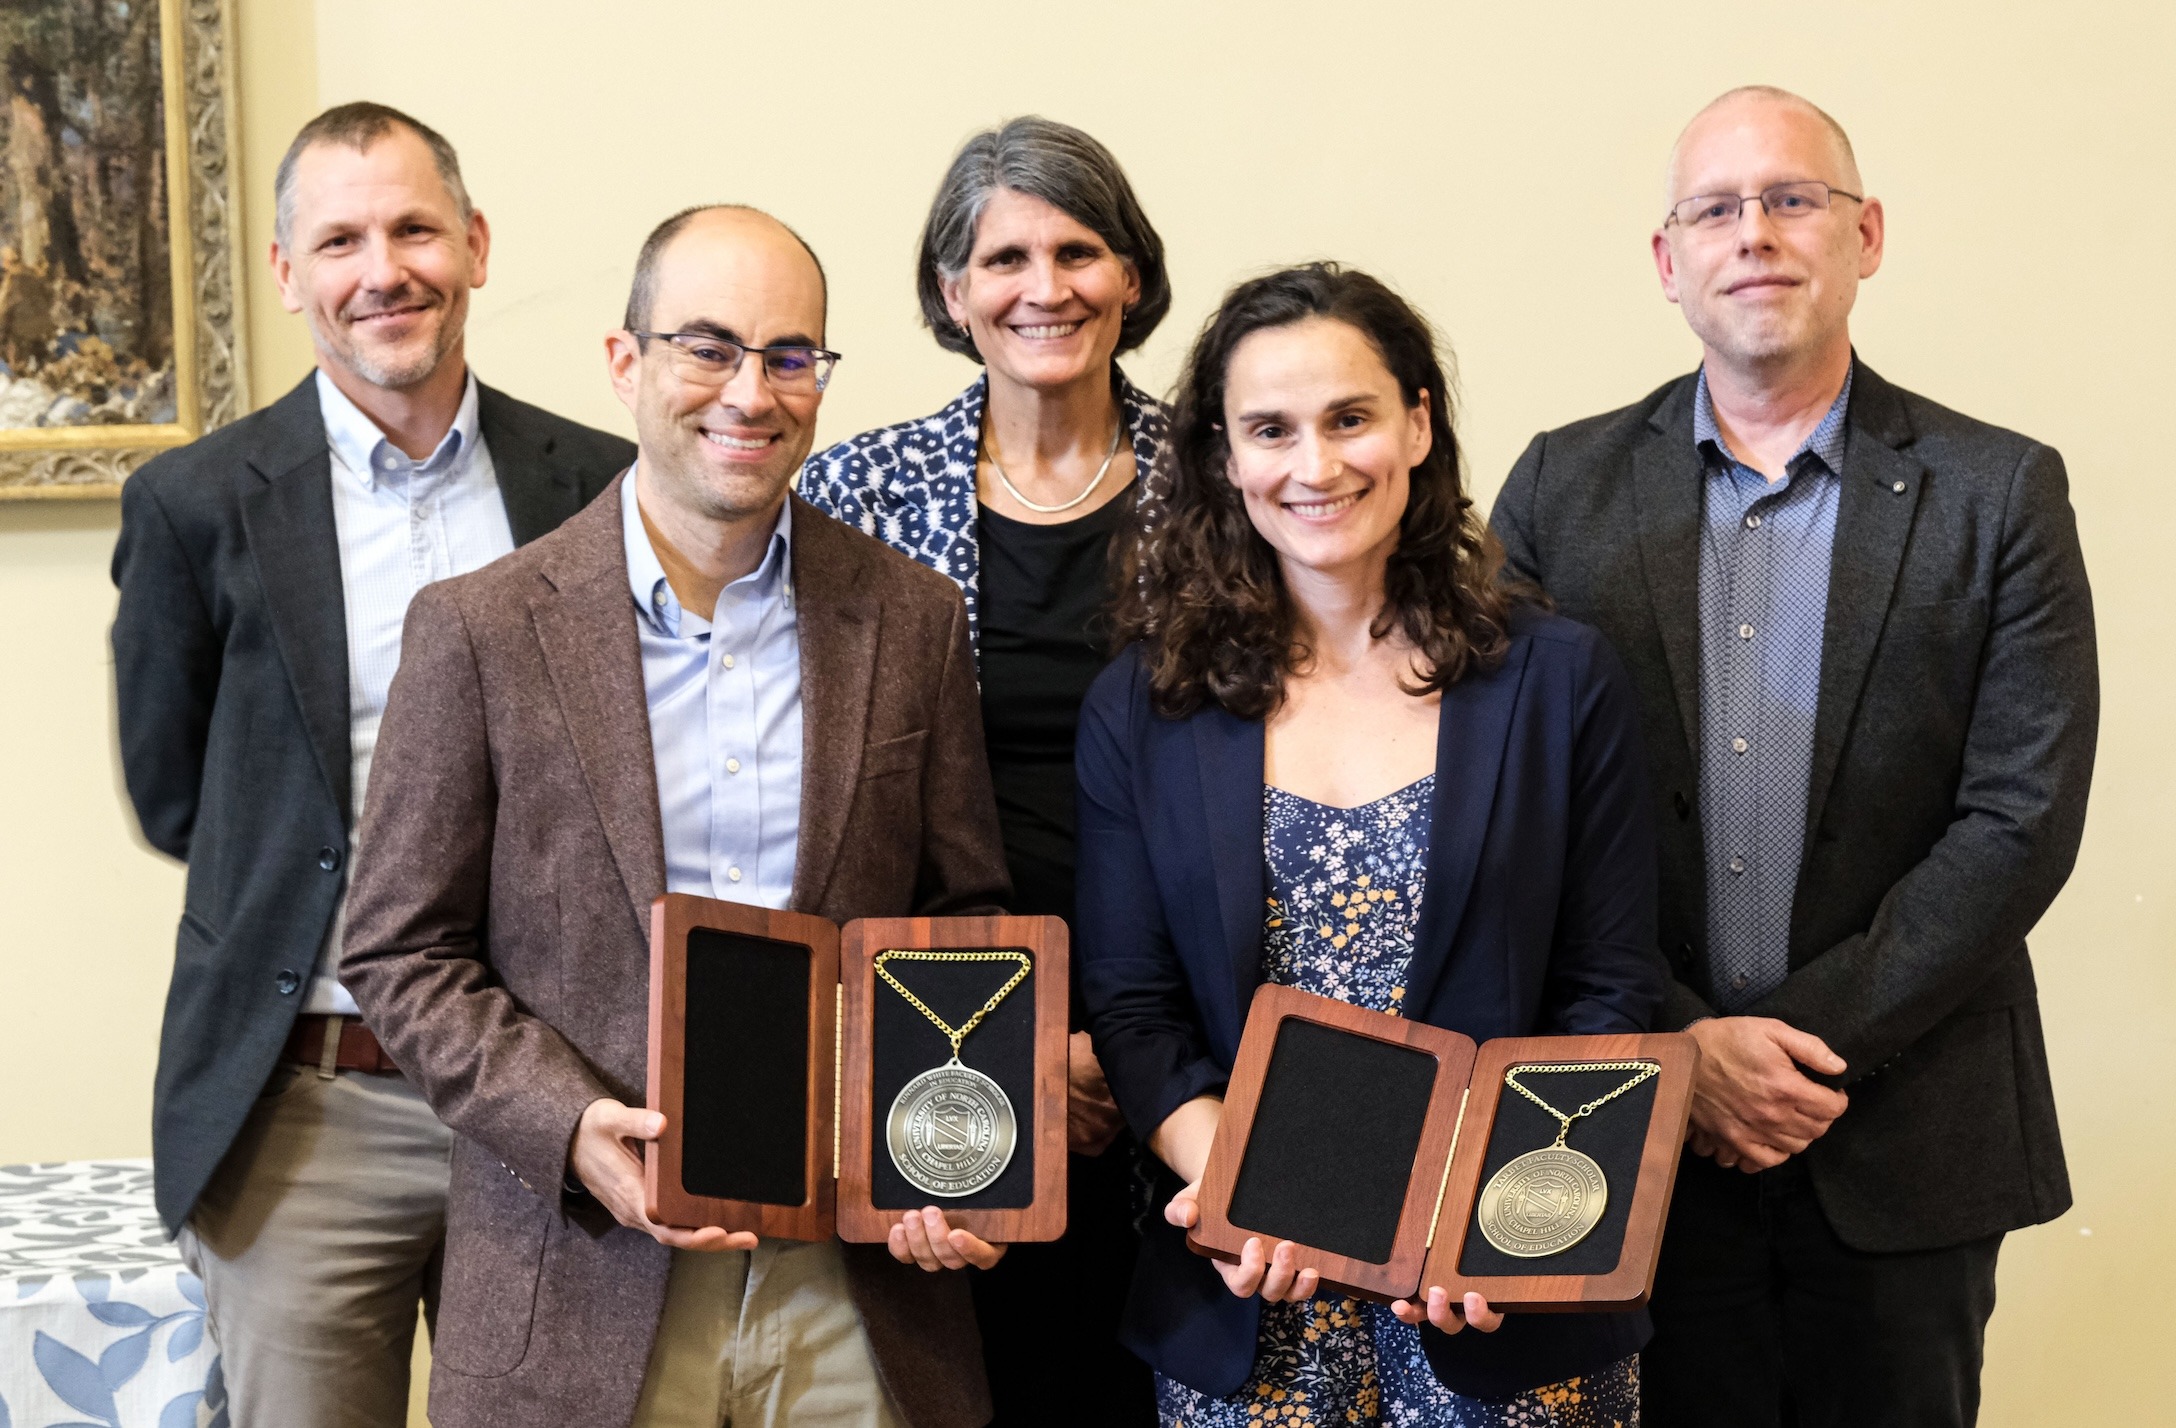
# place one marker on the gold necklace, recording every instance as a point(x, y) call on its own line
point(951, 1130)
point(1548, 1200)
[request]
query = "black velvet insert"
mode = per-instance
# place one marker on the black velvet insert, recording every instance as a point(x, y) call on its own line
point(744, 1098)
point(1614, 1136)
point(906, 1044)
point(1330, 1154)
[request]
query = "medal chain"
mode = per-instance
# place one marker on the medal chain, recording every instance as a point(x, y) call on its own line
point(1646, 1069)
point(955, 1037)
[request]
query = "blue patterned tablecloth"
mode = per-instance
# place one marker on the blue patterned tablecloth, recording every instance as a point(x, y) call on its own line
point(100, 1325)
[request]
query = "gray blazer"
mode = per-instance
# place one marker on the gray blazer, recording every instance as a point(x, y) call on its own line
point(1953, 750)
point(230, 660)
point(498, 933)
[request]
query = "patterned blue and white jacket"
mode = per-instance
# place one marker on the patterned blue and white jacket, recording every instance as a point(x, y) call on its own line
point(912, 485)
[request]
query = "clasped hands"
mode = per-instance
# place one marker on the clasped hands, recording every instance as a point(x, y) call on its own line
point(1753, 1107)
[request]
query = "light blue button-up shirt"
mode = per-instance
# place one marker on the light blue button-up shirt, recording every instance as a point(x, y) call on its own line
point(725, 720)
point(401, 524)
point(1765, 549)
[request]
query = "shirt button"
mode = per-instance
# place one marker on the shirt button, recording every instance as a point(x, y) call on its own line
point(1737, 865)
point(328, 858)
point(1898, 488)
point(1752, 523)
point(732, 765)
point(1745, 632)
point(727, 661)
point(1737, 746)
point(287, 981)
point(1739, 982)
point(733, 873)
point(657, 597)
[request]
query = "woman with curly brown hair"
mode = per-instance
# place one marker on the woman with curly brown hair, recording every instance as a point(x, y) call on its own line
point(1337, 753)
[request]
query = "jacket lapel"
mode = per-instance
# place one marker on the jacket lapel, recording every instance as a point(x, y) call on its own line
point(1470, 739)
point(1876, 503)
point(539, 491)
point(1228, 757)
point(287, 515)
point(585, 625)
point(839, 621)
point(1666, 487)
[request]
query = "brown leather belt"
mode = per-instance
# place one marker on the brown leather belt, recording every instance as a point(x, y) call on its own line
point(356, 1050)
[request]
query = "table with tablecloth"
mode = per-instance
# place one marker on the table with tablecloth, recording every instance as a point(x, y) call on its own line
point(100, 1324)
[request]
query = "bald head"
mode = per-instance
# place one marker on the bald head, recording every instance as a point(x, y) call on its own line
point(1765, 117)
point(724, 219)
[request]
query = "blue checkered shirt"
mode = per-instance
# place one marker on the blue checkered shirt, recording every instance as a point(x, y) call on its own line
point(1764, 563)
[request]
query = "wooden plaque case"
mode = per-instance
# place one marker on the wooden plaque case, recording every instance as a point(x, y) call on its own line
point(1444, 1178)
point(840, 1122)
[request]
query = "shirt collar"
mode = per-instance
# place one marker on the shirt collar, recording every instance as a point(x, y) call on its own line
point(654, 597)
point(1825, 441)
point(364, 450)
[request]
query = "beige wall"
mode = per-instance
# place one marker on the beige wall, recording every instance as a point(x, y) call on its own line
point(1498, 163)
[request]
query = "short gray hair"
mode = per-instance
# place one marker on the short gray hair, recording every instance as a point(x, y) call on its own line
point(1068, 170)
point(358, 126)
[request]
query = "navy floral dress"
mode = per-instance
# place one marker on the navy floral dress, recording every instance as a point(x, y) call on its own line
point(1345, 891)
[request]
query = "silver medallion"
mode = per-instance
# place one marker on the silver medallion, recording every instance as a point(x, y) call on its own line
point(951, 1131)
point(1542, 1202)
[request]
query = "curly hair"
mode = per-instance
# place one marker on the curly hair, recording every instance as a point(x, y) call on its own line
point(1204, 595)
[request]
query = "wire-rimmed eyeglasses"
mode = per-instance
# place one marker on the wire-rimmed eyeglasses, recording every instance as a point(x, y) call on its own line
point(706, 359)
point(1714, 212)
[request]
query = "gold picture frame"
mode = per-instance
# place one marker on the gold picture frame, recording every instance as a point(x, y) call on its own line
point(196, 49)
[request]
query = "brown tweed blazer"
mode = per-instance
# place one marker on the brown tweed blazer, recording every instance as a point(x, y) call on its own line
point(498, 930)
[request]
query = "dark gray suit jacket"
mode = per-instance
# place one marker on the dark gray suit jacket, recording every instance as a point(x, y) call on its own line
point(231, 666)
point(1953, 750)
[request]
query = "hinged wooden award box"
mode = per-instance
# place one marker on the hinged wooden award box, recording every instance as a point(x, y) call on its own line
point(1367, 1141)
point(776, 1054)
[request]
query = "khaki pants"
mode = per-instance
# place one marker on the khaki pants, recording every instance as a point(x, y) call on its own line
point(764, 1338)
point(316, 1239)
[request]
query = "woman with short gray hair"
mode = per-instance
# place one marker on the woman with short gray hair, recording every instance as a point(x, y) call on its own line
point(1038, 263)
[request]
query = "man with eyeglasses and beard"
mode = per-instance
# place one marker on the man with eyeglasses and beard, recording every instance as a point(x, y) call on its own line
point(1861, 630)
point(264, 573)
point(700, 684)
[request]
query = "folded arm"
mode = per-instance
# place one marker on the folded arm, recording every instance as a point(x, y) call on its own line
point(2020, 804)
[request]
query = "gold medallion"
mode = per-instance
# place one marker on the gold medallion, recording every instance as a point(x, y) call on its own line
point(1548, 1200)
point(1543, 1201)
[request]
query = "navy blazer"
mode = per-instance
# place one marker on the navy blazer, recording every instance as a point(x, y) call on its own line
point(1538, 916)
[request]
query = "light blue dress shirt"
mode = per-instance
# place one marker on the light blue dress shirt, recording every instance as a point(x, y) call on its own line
point(401, 524)
point(725, 720)
point(1765, 549)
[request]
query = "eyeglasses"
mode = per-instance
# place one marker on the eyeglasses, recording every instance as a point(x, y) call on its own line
point(702, 359)
point(1715, 212)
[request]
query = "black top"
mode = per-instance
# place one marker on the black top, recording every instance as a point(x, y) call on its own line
point(1044, 596)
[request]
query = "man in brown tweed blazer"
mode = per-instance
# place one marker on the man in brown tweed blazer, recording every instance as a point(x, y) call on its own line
point(813, 738)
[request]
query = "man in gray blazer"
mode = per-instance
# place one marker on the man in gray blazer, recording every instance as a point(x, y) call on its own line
point(264, 572)
point(1863, 638)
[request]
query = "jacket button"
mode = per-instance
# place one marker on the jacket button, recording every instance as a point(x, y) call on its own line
point(287, 981)
point(1683, 806)
point(328, 858)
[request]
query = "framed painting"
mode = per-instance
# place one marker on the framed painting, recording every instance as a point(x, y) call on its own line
point(120, 333)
